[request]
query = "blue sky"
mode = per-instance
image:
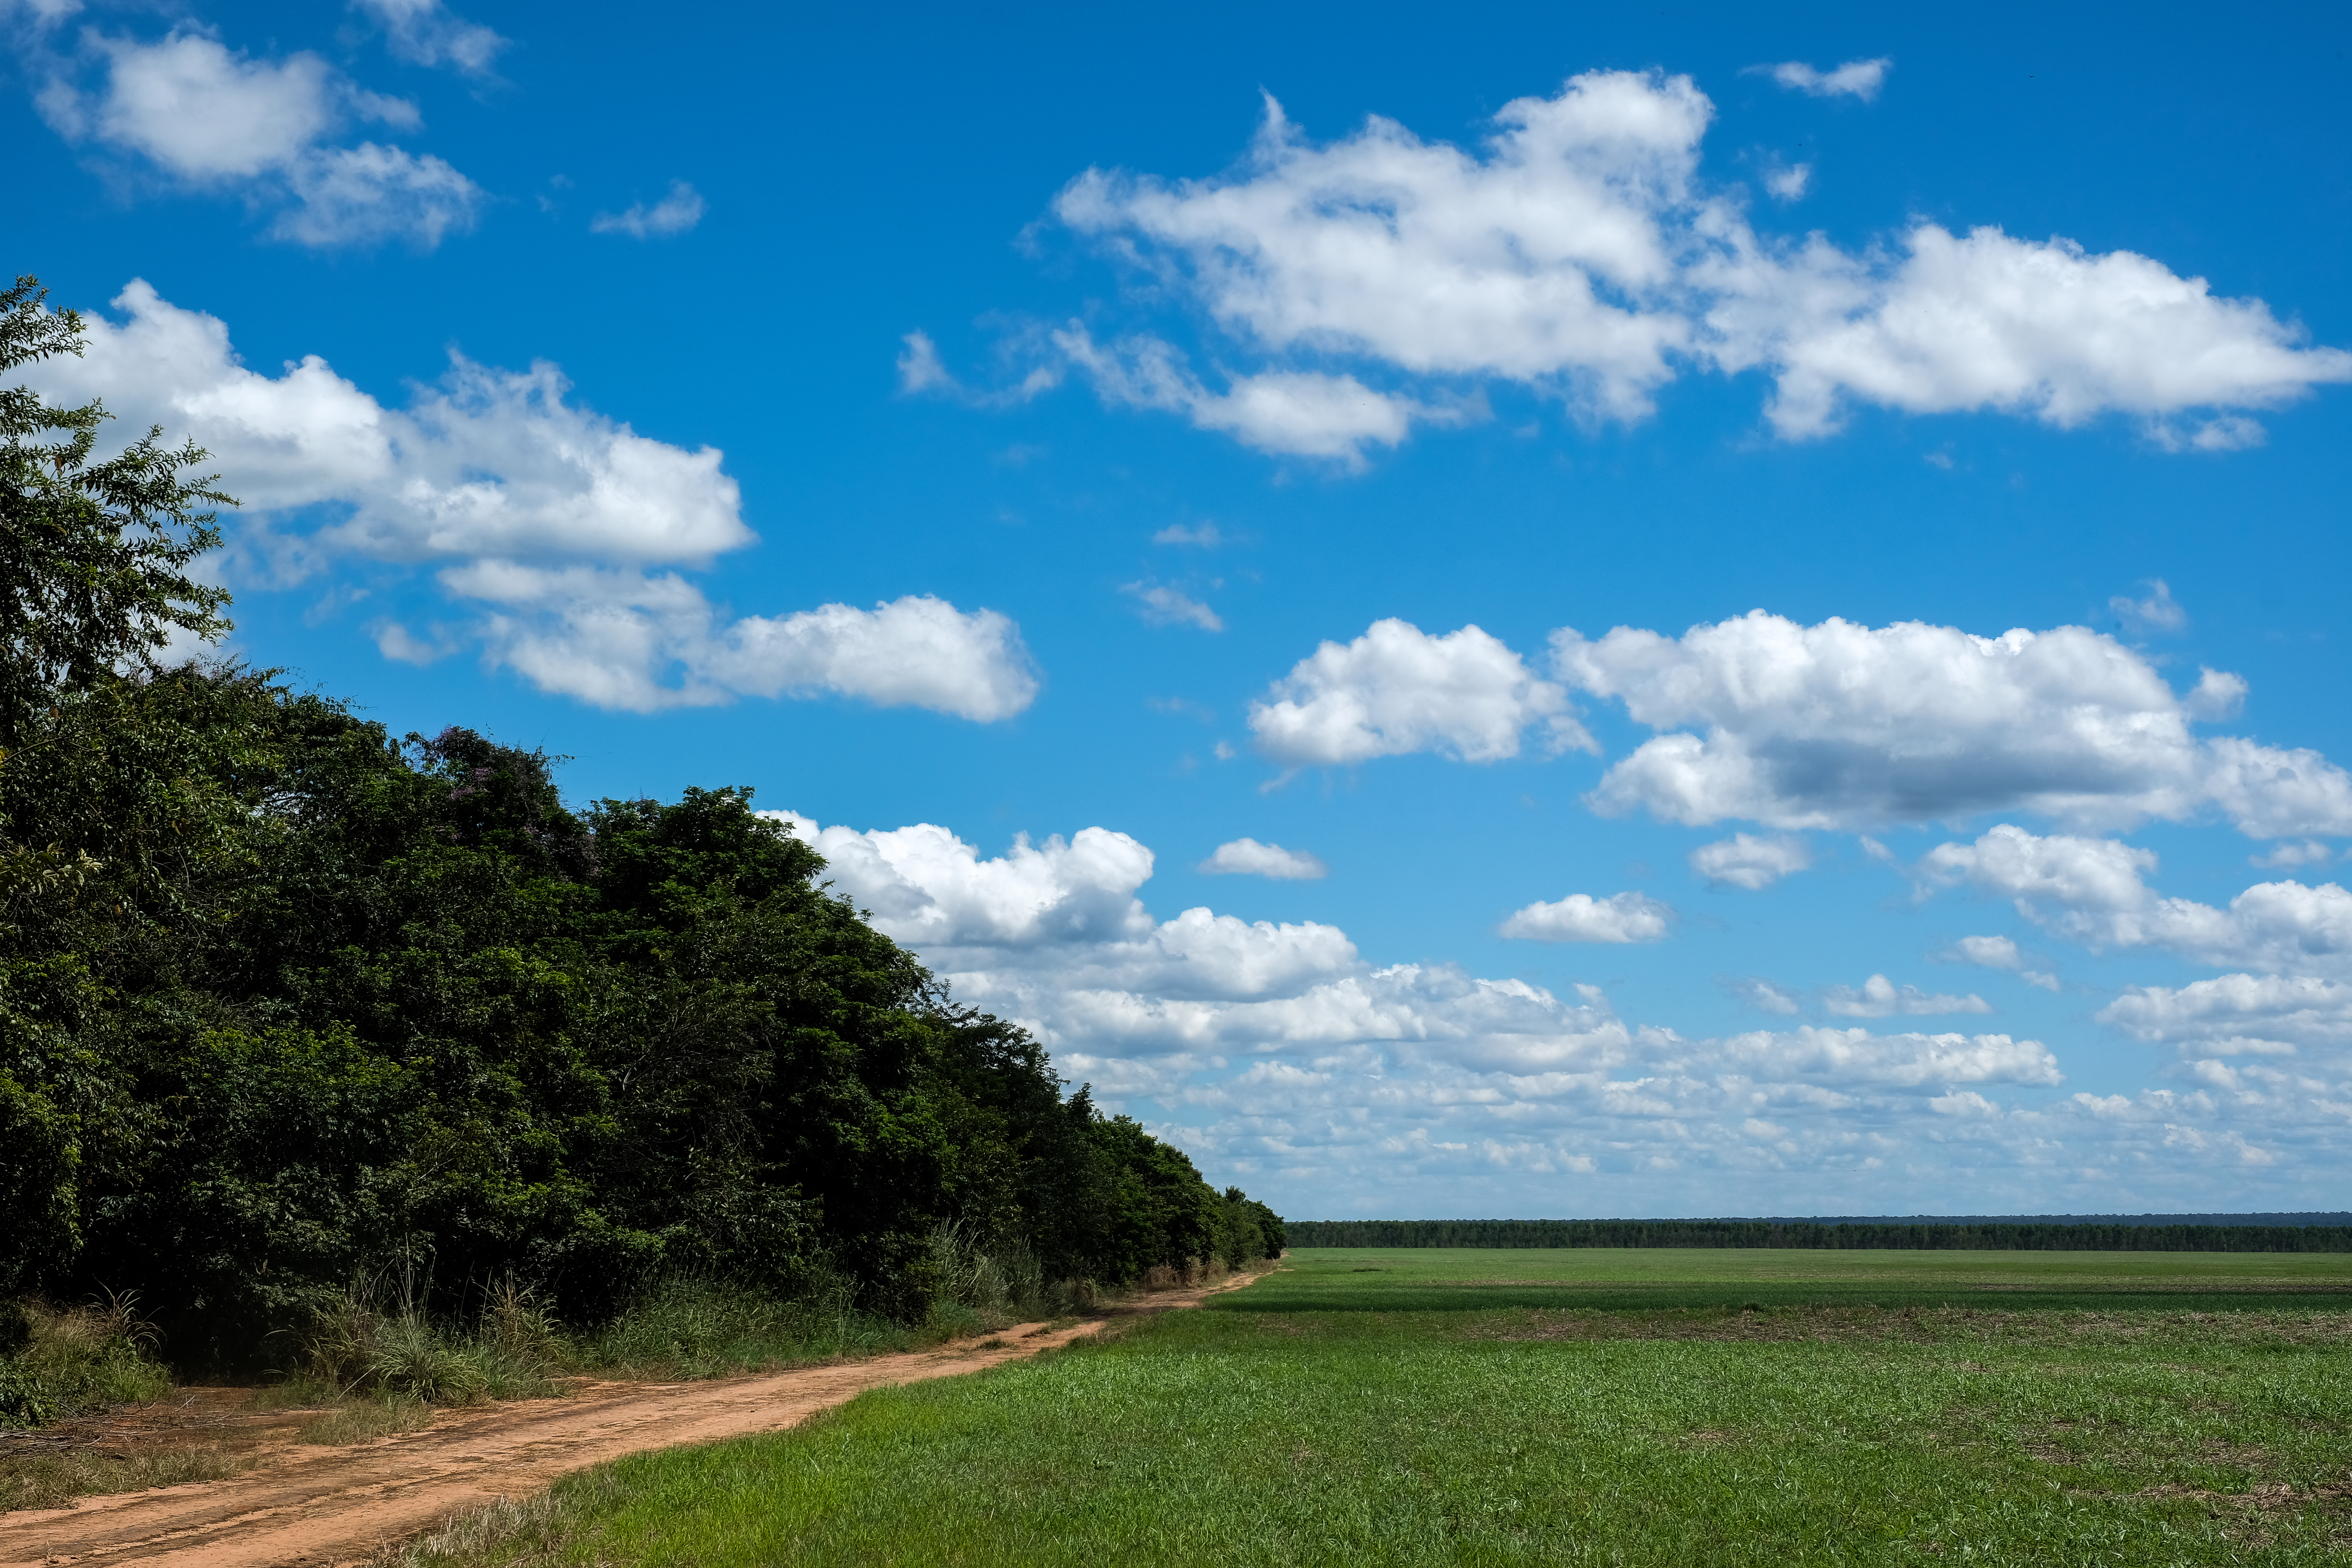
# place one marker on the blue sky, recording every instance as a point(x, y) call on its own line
point(1506, 613)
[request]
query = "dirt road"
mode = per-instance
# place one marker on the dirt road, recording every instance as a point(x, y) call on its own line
point(316, 1506)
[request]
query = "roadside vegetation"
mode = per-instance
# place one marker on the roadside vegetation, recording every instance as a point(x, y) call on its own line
point(371, 1062)
point(56, 1362)
point(1338, 1428)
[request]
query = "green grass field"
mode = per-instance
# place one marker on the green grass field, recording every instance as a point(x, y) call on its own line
point(1593, 1406)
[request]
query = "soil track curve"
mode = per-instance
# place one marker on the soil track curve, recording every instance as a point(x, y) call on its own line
point(318, 1506)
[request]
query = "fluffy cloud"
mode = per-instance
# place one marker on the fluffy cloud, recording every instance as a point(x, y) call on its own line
point(1835, 725)
point(1879, 997)
point(1165, 606)
point(1908, 1061)
point(1988, 321)
point(2288, 856)
point(928, 887)
point(2160, 612)
point(547, 512)
point(1064, 915)
point(1762, 994)
point(425, 33)
point(648, 642)
point(1581, 917)
point(1876, 997)
point(1581, 254)
point(1790, 183)
point(1523, 264)
point(673, 214)
point(1746, 860)
point(2238, 1014)
point(1992, 952)
point(489, 462)
point(1855, 78)
point(194, 108)
point(1397, 689)
point(1248, 858)
point(2092, 892)
point(201, 114)
point(1839, 725)
point(368, 194)
point(1054, 932)
point(1998, 952)
point(1334, 1084)
point(1304, 414)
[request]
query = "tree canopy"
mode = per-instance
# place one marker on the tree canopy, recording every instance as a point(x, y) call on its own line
point(284, 998)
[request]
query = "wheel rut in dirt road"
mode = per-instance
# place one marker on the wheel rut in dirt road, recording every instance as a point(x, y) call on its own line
point(315, 1506)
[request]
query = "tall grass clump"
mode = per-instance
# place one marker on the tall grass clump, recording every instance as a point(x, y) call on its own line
point(704, 1327)
point(980, 1285)
point(360, 1345)
point(64, 1361)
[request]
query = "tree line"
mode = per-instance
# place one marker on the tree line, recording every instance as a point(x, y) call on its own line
point(1852, 1235)
point(287, 1001)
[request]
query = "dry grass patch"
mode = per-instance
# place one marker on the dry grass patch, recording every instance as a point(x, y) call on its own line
point(364, 1421)
point(53, 1478)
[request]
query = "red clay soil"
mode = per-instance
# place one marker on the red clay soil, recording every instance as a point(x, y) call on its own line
point(315, 1506)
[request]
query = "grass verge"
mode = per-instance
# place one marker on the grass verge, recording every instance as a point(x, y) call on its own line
point(65, 1360)
point(39, 1480)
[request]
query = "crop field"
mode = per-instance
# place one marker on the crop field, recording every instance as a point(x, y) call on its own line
point(1668, 1407)
point(1478, 1279)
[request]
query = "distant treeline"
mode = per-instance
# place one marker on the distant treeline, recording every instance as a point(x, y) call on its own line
point(2031, 1237)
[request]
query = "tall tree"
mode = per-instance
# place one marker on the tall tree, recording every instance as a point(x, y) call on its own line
point(94, 557)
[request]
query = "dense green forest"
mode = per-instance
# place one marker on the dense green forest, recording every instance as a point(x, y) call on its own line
point(289, 1005)
point(1865, 1236)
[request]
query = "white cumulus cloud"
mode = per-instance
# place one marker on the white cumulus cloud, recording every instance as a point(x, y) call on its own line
point(1166, 607)
point(1749, 860)
point(1991, 951)
point(1999, 953)
point(931, 888)
point(368, 194)
point(1248, 858)
point(1398, 690)
point(1762, 994)
point(1988, 321)
point(1908, 1060)
point(646, 642)
point(1790, 183)
point(675, 213)
point(203, 115)
point(2094, 891)
point(427, 32)
point(1855, 78)
point(489, 462)
point(1521, 263)
point(1280, 1052)
point(1841, 725)
point(1373, 282)
point(1306, 413)
point(2232, 1015)
point(1581, 917)
point(547, 514)
point(2158, 611)
point(2288, 855)
point(1879, 997)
